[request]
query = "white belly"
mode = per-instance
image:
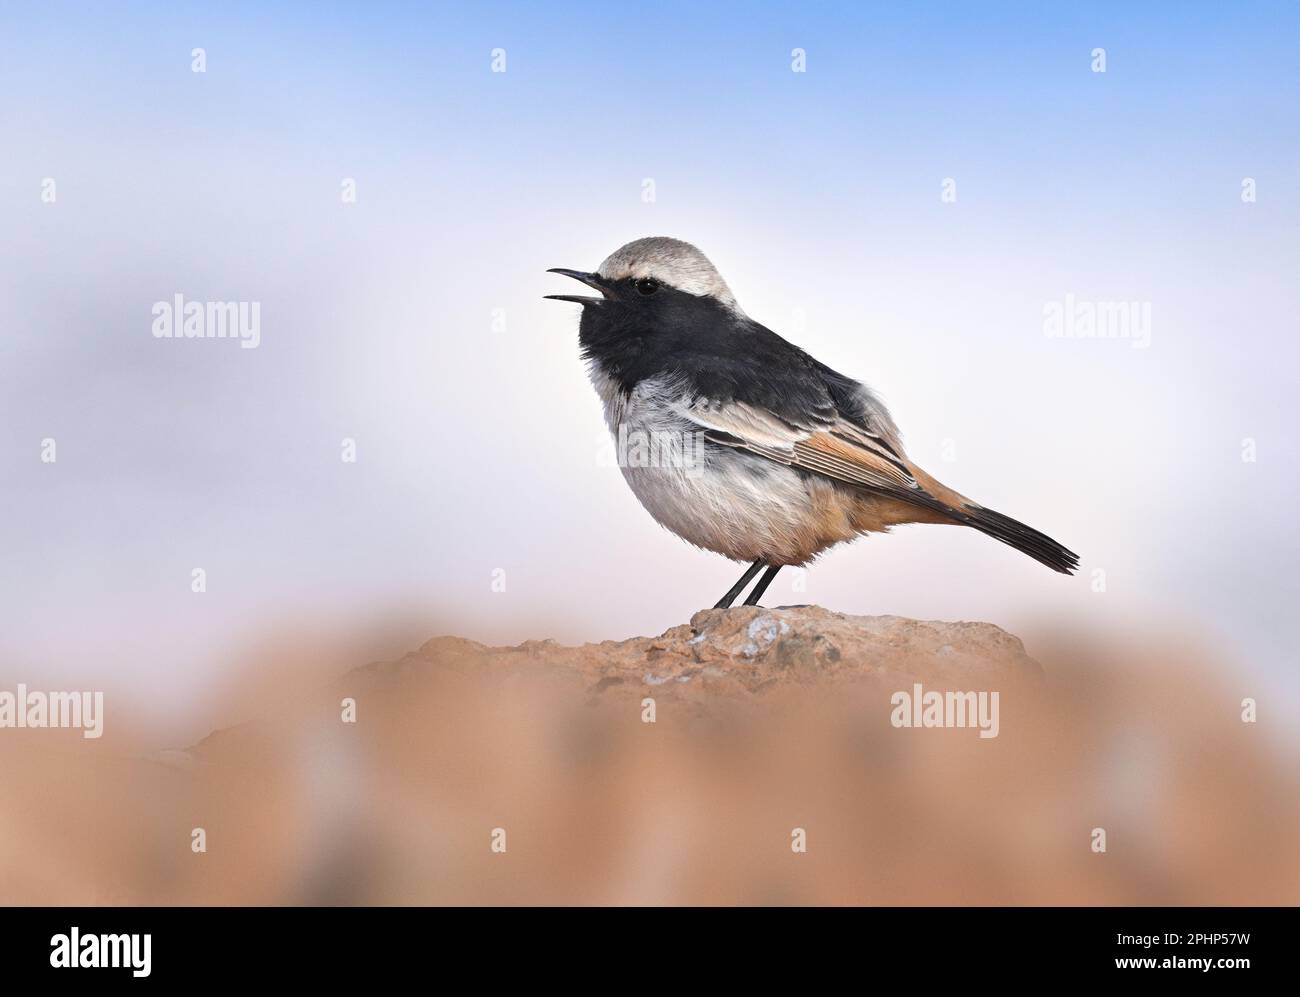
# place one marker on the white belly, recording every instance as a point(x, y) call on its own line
point(743, 507)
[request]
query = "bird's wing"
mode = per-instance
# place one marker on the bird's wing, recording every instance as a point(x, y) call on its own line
point(817, 439)
point(766, 396)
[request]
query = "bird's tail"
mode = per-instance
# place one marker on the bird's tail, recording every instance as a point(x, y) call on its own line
point(1039, 546)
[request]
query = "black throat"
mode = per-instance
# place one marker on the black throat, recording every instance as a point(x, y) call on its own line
point(630, 339)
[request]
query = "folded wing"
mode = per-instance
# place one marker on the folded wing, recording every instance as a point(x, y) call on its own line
point(821, 441)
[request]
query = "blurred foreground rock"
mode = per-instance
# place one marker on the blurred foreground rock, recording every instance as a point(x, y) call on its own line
point(682, 769)
point(724, 654)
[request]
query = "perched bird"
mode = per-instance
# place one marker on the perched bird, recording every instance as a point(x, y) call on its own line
point(778, 456)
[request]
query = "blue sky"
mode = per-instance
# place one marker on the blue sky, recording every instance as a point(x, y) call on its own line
point(816, 193)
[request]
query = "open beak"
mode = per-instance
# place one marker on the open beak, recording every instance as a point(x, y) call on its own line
point(590, 279)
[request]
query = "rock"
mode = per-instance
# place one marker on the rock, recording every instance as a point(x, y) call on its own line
point(749, 756)
point(752, 650)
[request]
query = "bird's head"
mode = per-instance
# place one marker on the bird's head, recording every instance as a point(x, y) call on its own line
point(643, 273)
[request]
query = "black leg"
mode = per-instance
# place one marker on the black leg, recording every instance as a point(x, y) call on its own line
point(739, 587)
point(762, 585)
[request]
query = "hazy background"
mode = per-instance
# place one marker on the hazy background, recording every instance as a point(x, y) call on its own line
point(818, 196)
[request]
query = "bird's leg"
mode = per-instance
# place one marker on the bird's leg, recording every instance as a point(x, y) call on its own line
point(762, 585)
point(739, 587)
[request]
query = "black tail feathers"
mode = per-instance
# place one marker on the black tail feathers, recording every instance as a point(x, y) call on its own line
point(1039, 546)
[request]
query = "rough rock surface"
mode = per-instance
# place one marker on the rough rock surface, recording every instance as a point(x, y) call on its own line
point(750, 649)
point(748, 757)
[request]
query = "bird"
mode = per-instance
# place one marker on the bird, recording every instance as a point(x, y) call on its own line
point(773, 457)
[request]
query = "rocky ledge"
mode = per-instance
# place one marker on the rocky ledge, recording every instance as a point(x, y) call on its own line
point(750, 649)
point(750, 756)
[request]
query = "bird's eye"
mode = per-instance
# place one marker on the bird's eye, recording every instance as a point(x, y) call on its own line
point(647, 285)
